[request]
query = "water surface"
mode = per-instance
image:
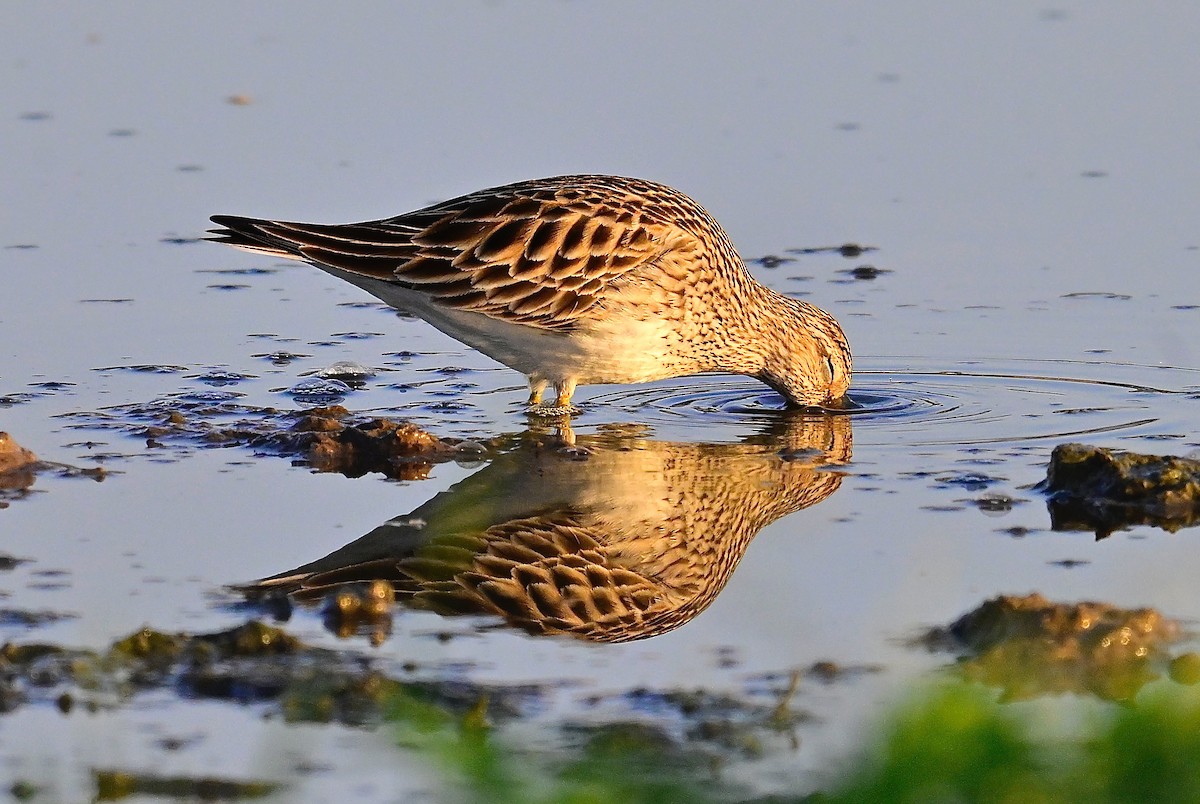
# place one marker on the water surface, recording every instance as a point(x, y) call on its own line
point(1028, 178)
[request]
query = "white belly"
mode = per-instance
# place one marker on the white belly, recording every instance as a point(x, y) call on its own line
point(620, 350)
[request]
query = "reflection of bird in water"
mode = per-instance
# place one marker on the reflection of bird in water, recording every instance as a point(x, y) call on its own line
point(574, 280)
point(631, 542)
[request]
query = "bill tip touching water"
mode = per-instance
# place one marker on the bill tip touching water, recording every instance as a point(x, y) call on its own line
point(577, 280)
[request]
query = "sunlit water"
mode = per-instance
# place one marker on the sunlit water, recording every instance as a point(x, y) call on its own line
point(906, 401)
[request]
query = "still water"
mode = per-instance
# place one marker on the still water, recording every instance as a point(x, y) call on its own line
point(1026, 173)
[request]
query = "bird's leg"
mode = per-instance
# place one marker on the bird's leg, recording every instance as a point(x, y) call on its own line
point(537, 385)
point(562, 404)
point(564, 389)
point(570, 449)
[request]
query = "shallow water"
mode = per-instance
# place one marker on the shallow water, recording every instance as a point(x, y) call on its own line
point(1025, 173)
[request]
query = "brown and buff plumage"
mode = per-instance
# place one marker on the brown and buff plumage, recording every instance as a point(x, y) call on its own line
point(633, 542)
point(575, 280)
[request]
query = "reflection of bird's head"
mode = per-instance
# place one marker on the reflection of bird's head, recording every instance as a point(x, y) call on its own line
point(633, 541)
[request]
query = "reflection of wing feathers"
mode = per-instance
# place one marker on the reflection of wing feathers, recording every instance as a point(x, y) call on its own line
point(548, 573)
point(373, 553)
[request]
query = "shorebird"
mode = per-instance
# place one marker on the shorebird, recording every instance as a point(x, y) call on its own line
point(633, 542)
point(575, 280)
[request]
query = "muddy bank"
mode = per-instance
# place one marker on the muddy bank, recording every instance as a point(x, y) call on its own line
point(265, 667)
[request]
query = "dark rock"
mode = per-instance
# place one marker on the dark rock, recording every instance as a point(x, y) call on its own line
point(1103, 490)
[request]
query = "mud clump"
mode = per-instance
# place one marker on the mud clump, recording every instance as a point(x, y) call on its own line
point(1030, 647)
point(13, 456)
point(400, 450)
point(19, 469)
point(114, 785)
point(329, 439)
point(1103, 490)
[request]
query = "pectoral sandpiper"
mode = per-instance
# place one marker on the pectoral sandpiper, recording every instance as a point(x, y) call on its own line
point(575, 280)
point(633, 542)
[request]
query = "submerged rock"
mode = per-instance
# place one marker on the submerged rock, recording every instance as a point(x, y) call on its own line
point(1030, 646)
point(1103, 490)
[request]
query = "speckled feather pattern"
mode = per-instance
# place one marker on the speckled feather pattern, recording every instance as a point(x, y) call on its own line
point(650, 539)
point(577, 279)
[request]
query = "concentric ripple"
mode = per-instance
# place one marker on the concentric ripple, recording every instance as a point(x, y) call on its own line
point(908, 401)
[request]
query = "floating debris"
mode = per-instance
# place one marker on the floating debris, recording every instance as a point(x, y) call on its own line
point(28, 618)
point(281, 358)
point(146, 368)
point(1104, 490)
point(865, 272)
point(772, 260)
point(995, 503)
point(847, 250)
point(1096, 295)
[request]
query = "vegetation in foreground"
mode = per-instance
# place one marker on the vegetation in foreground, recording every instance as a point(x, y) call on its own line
point(954, 743)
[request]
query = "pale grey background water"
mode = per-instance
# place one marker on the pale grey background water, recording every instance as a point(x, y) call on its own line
point(1000, 157)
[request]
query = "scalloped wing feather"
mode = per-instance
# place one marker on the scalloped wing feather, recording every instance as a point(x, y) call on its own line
point(543, 253)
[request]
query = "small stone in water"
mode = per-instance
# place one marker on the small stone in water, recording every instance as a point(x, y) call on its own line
point(346, 371)
point(316, 387)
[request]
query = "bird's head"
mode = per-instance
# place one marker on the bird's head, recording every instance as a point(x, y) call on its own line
point(810, 362)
